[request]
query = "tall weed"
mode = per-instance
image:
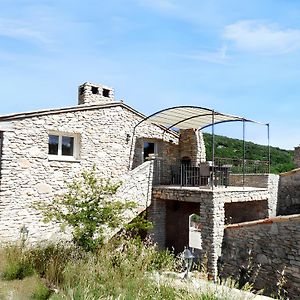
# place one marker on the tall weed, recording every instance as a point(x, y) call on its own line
point(16, 264)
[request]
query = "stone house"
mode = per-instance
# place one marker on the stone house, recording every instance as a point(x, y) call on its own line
point(41, 150)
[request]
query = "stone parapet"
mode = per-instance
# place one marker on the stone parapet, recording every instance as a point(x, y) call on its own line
point(289, 193)
point(297, 157)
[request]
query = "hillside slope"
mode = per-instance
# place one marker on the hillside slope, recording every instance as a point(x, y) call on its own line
point(281, 160)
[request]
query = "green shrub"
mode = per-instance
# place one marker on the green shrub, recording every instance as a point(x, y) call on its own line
point(42, 292)
point(88, 208)
point(49, 261)
point(16, 265)
point(163, 260)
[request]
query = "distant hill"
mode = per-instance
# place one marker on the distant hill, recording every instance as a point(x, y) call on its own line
point(281, 160)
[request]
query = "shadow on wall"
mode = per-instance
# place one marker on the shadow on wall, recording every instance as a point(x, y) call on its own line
point(238, 212)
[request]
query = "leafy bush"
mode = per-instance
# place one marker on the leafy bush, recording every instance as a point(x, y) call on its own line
point(88, 208)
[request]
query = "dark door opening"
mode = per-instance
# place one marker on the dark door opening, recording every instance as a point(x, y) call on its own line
point(177, 223)
point(149, 149)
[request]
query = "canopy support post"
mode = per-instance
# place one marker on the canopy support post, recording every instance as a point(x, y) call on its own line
point(213, 149)
point(244, 151)
point(269, 149)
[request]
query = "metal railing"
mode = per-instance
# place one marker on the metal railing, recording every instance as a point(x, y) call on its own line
point(206, 174)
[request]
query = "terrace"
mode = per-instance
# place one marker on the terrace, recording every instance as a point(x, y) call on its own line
point(187, 182)
point(190, 167)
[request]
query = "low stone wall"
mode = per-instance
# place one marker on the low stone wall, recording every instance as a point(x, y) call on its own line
point(137, 187)
point(251, 180)
point(267, 181)
point(289, 193)
point(267, 248)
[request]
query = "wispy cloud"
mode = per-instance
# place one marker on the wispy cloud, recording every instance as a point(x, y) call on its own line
point(161, 5)
point(262, 37)
point(218, 57)
point(22, 30)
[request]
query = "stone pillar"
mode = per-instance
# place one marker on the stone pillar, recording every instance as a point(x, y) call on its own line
point(297, 157)
point(273, 184)
point(212, 218)
point(157, 215)
point(90, 93)
point(191, 145)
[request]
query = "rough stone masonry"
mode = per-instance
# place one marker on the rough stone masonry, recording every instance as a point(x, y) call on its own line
point(102, 130)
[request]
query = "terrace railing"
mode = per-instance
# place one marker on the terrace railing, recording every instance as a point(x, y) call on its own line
point(206, 174)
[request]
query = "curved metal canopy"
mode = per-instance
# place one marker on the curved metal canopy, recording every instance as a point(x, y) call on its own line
point(185, 117)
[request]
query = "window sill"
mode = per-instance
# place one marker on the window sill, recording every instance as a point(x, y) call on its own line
point(63, 158)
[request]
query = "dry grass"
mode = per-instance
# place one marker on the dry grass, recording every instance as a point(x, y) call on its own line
point(19, 289)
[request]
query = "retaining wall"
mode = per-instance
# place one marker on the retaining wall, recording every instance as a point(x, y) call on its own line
point(267, 248)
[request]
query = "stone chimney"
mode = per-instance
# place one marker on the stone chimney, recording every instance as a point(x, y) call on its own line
point(297, 157)
point(191, 145)
point(90, 93)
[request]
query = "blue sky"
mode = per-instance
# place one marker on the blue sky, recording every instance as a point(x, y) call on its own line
point(238, 57)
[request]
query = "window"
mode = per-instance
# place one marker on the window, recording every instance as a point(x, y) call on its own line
point(63, 146)
point(105, 93)
point(95, 90)
point(149, 149)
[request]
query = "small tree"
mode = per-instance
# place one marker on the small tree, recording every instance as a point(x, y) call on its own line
point(88, 208)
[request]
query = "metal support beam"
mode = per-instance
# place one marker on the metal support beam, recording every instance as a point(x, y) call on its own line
point(244, 151)
point(213, 149)
point(269, 148)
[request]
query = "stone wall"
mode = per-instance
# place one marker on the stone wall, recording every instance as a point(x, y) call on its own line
point(156, 213)
point(267, 247)
point(212, 214)
point(91, 93)
point(137, 186)
point(297, 157)
point(192, 145)
point(251, 180)
point(167, 150)
point(289, 193)
point(267, 181)
point(28, 174)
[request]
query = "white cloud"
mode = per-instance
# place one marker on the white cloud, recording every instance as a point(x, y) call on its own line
point(262, 37)
point(22, 30)
point(219, 57)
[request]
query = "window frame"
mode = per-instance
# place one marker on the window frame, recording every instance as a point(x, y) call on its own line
point(76, 146)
